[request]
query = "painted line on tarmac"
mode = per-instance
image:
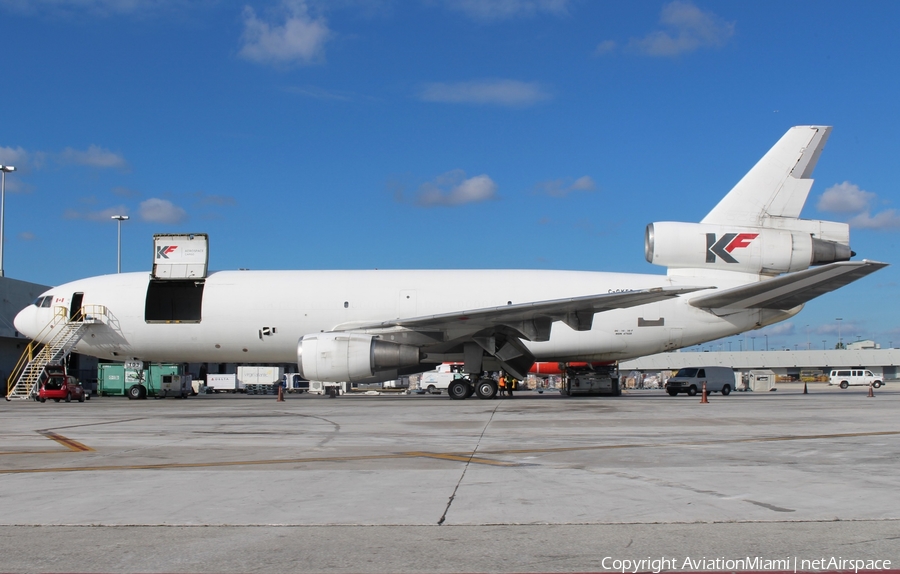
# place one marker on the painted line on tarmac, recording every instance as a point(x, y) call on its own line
point(72, 445)
point(175, 465)
point(691, 443)
point(450, 456)
point(461, 458)
point(31, 452)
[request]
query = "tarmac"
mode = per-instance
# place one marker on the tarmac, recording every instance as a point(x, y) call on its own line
point(409, 483)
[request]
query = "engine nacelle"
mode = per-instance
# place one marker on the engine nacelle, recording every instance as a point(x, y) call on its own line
point(336, 357)
point(731, 248)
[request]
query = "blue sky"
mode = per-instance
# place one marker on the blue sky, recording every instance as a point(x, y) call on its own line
point(438, 133)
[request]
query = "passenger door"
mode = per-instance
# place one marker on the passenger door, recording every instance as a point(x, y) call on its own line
point(75, 313)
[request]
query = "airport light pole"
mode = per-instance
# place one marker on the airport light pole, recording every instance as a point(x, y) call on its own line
point(823, 344)
point(767, 341)
point(840, 340)
point(3, 170)
point(119, 219)
point(753, 340)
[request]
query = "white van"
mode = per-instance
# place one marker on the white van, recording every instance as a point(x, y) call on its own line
point(433, 382)
point(858, 376)
point(690, 380)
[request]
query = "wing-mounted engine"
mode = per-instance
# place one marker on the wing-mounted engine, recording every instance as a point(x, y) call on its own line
point(353, 357)
point(744, 249)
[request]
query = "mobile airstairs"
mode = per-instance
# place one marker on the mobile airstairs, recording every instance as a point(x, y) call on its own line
point(51, 347)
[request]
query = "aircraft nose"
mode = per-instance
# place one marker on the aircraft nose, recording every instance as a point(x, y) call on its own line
point(25, 321)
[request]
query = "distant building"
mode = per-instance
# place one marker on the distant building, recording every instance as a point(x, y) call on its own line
point(861, 345)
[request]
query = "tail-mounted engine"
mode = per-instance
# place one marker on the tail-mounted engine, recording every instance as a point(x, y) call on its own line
point(352, 357)
point(731, 248)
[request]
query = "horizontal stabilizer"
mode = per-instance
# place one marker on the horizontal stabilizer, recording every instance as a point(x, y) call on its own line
point(788, 291)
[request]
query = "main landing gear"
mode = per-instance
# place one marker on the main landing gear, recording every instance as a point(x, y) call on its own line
point(463, 388)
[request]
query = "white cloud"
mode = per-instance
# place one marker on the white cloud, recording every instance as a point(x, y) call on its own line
point(848, 198)
point(453, 188)
point(13, 156)
point(101, 216)
point(563, 187)
point(318, 93)
point(98, 7)
point(488, 10)
point(499, 92)
point(295, 38)
point(157, 210)
point(780, 329)
point(887, 219)
point(125, 192)
point(94, 156)
point(845, 198)
point(687, 28)
point(605, 47)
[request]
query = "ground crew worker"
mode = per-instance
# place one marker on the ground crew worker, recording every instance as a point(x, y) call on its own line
point(501, 384)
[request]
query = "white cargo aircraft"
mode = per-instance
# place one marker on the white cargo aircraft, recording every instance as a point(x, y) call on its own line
point(749, 263)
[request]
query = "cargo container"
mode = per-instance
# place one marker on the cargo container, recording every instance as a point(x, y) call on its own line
point(259, 380)
point(294, 383)
point(223, 383)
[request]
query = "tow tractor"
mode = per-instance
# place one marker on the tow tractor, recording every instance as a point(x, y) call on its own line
point(591, 379)
point(582, 378)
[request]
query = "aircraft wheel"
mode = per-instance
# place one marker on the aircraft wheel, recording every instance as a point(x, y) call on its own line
point(844, 384)
point(726, 390)
point(458, 389)
point(486, 389)
point(470, 391)
point(692, 391)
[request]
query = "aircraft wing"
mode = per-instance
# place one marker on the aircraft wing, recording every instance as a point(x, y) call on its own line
point(532, 320)
point(788, 291)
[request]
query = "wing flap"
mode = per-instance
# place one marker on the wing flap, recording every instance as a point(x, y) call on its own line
point(791, 290)
point(534, 318)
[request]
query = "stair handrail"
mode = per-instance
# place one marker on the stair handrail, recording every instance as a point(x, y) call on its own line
point(29, 353)
point(87, 314)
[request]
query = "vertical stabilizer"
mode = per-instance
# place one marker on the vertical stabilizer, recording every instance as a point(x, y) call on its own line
point(778, 184)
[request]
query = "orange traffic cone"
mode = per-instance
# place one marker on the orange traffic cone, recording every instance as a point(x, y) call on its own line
point(703, 399)
point(804, 389)
point(871, 391)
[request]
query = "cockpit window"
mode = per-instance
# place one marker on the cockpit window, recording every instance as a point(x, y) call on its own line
point(46, 302)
